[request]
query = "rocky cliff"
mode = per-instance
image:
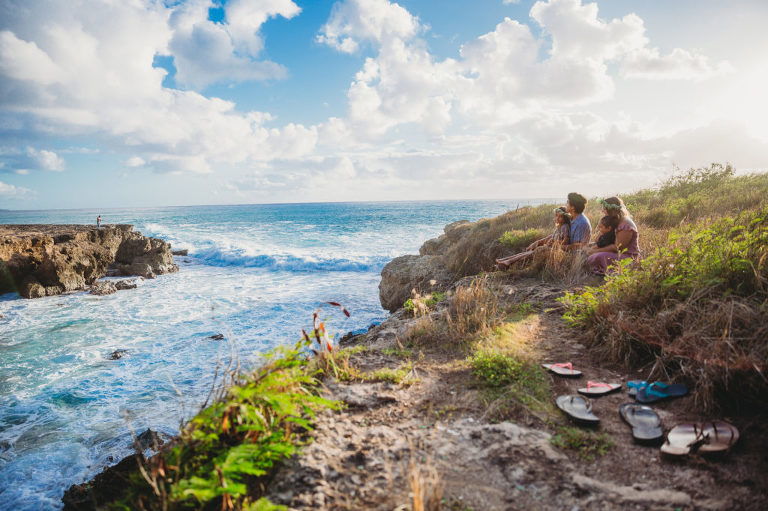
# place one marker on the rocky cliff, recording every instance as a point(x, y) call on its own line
point(424, 273)
point(46, 260)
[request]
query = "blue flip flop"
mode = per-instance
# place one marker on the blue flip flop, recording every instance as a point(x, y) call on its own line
point(657, 391)
point(635, 385)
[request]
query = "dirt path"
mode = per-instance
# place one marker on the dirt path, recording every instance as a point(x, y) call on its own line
point(438, 438)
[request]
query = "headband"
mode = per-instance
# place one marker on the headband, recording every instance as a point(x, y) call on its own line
point(609, 206)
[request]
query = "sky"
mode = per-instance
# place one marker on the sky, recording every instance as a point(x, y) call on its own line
point(135, 103)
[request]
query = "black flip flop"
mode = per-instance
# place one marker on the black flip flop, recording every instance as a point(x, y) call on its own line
point(646, 425)
point(565, 370)
point(598, 388)
point(578, 408)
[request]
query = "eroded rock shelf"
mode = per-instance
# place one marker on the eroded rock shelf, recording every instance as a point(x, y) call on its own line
point(47, 260)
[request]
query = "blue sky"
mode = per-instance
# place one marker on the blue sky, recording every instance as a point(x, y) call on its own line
point(147, 103)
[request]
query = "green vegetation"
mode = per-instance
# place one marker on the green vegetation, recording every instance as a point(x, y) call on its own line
point(698, 301)
point(226, 449)
point(422, 304)
point(519, 239)
point(586, 444)
point(513, 385)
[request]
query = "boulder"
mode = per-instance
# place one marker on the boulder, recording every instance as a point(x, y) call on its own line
point(126, 284)
point(403, 274)
point(103, 288)
point(180, 252)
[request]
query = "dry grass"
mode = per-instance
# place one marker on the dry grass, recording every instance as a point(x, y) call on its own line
point(426, 485)
point(476, 246)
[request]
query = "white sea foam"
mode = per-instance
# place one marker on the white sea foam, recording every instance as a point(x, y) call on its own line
point(254, 273)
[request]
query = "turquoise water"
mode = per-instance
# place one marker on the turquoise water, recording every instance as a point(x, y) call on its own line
point(254, 273)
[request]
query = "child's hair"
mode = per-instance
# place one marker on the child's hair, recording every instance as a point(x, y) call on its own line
point(563, 214)
point(610, 221)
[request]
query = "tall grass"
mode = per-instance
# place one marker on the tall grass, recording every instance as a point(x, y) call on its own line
point(698, 305)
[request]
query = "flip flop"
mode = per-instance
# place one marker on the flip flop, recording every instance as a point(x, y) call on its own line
point(682, 440)
point(578, 408)
point(646, 425)
point(657, 391)
point(634, 386)
point(719, 436)
point(598, 388)
point(565, 369)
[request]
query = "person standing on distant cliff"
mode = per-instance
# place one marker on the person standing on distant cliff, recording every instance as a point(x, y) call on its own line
point(98, 223)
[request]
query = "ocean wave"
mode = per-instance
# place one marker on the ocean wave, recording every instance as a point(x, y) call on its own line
point(216, 256)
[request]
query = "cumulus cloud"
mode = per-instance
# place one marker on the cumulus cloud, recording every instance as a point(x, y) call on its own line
point(374, 21)
point(28, 159)
point(207, 52)
point(10, 191)
point(78, 69)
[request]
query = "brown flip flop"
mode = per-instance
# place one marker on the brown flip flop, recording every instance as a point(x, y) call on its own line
point(720, 436)
point(709, 437)
point(682, 439)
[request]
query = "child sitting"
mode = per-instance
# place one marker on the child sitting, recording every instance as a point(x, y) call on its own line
point(607, 228)
point(560, 237)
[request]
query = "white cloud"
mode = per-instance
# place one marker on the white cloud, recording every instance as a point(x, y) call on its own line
point(23, 161)
point(206, 52)
point(135, 161)
point(678, 65)
point(88, 73)
point(46, 160)
point(10, 191)
point(374, 21)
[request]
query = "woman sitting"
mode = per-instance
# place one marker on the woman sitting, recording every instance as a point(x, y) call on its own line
point(626, 243)
point(559, 238)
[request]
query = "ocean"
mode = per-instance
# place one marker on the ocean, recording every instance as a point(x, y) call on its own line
point(254, 273)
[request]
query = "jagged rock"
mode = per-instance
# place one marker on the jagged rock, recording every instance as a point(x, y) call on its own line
point(117, 354)
point(126, 284)
point(31, 288)
point(425, 274)
point(103, 288)
point(150, 439)
point(216, 337)
point(53, 259)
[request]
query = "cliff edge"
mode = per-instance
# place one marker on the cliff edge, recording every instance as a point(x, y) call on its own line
point(47, 260)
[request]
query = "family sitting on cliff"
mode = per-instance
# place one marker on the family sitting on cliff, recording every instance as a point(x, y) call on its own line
point(618, 237)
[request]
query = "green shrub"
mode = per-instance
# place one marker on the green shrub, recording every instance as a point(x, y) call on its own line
point(701, 297)
point(520, 239)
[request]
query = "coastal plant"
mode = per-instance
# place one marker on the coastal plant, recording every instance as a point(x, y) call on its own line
point(419, 304)
point(586, 444)
point(698, 306)
point(224, 454)
point(519, 239)
point(513, 385)
point(474, 308)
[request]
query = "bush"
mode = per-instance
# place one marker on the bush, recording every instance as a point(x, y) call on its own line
point(701, 297)
point(519, 239)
